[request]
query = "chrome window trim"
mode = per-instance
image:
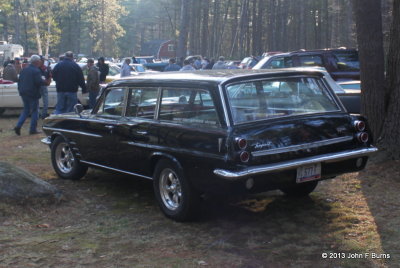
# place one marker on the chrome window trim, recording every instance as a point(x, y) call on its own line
point(115, 169)
point(293, 164)
point(302, 146)
point(73, 132)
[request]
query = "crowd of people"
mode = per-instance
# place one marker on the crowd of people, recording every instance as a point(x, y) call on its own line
point(34, 78)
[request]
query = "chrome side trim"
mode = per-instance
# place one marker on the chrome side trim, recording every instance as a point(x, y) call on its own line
point(115, 169)
point(73, 132)
point(175, 150)
point(46, 140)
point(325, 158)
point(302, 146)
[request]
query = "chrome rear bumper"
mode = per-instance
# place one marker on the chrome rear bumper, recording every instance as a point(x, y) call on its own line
point(275, 167)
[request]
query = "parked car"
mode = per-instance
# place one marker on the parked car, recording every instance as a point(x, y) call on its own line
point(347, 91)
point(231, 131)
point(341, 63)
point(151, 63)
point(351, 98)
point(10, 98)
point(248, 63)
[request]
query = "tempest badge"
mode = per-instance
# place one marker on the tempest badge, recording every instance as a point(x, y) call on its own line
point(262, 145)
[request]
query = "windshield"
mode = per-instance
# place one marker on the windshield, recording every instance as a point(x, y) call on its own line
point(258, 100)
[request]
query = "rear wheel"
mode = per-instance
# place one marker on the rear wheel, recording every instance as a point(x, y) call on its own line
point(175, 196)
point(64, 162)
point(300, 190)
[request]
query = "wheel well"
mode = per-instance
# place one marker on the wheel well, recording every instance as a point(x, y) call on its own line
point(158, 156)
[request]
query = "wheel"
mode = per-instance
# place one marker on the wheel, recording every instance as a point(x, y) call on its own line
point(300, 190)
point(64, 162)
point(174, 194)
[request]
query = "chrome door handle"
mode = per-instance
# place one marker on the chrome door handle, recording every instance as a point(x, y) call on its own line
point(141, 132)
point(110, 127)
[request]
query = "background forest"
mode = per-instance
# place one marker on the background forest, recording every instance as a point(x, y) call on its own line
point(233, 28)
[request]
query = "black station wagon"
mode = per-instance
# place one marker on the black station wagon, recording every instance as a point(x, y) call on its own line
point(209, 132)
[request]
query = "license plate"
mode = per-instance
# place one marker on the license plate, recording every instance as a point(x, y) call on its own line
point(308, 173)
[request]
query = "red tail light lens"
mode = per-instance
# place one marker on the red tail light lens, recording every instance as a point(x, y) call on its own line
point(363, 137)
point(241, 143)
point(359, 125)
point(244, 156)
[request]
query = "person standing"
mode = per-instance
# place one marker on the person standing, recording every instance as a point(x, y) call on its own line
point(69, 77)
point(187, 66)
point(220, 64)
point(9, 72)
point(172, 66)
point(103, 68)
point(44, 92)
point(126, 68)
point(18, 65)
point(92, 83)
point(29, 84)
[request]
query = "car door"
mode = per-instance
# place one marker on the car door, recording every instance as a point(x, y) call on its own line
point(99, 144)
point(137, 133)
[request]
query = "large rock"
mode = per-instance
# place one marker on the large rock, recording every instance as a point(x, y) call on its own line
point(22, 187)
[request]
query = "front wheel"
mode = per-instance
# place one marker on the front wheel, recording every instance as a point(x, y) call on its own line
point(175, 196)
point(64, 162)
point(300, 190)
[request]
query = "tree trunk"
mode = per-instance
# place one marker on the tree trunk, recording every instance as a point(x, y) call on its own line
point(391, 128)
point(370, 46)
point(17, 35)
point(36, 24)
point(183, 29)
point(204, 27)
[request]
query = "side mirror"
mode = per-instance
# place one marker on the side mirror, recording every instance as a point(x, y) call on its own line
point(78, 108)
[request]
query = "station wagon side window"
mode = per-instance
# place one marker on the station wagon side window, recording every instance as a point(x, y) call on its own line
point(142, 102)
point(113, 103)
point(188, 106)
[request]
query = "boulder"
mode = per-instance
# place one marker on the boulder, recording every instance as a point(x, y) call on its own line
point(18, 186)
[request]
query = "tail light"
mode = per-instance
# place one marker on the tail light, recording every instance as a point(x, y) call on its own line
point(244, 156)
point(362, 137)
point(359, 125)
point(241, 143)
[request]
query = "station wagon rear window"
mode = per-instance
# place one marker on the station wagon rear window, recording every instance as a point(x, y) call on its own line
point(258, 100)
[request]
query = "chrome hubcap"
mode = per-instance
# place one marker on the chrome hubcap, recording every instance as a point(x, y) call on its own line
point(170, 189)
point(64, 157)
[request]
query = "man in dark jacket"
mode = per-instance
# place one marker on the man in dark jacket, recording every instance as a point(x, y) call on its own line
point(68, 76)
point(104, 69)
point(29, 84)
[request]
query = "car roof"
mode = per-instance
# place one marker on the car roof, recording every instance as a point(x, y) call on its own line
point(311, 51)
point(210, 77)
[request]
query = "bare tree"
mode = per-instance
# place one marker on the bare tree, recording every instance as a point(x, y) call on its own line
point(183, 29)
point(391, 129)
point(370, 47)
